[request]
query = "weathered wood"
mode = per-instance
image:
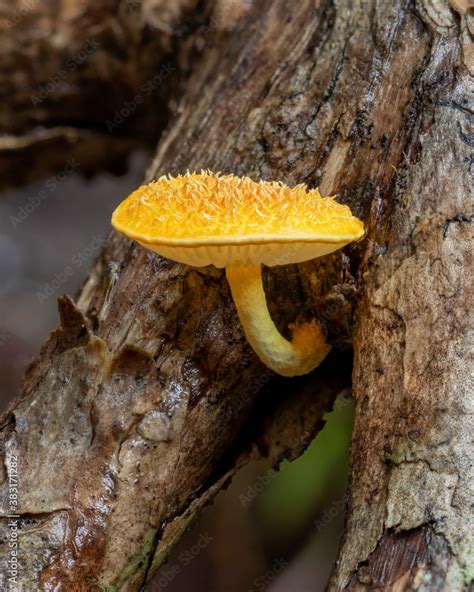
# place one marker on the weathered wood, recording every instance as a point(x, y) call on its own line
point(131, 417)
point(412, 477)
point(85, 81)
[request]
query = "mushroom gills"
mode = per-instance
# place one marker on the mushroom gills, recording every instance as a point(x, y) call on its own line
point(303, 353)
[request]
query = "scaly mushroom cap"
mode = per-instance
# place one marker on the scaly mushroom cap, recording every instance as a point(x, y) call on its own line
point(211, 219)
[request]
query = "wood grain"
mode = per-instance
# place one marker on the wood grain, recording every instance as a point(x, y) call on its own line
point(136, 411)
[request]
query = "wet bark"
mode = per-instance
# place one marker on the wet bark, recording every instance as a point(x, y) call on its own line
point(148, 398)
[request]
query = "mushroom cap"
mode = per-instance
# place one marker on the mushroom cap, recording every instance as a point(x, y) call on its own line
point(211, 219)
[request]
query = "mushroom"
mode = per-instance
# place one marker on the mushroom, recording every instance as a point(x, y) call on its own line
point(210, 219)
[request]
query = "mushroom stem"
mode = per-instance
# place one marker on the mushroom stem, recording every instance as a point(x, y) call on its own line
point(307, 348)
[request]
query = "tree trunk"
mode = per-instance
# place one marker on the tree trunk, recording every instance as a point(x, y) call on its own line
point(143, 403)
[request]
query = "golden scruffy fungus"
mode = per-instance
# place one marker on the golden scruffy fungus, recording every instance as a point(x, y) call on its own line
point(209, 219)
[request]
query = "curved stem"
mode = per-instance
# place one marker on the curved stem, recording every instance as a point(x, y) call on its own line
point(307, 348)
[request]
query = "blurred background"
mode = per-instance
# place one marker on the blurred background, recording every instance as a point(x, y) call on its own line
point(269, 530)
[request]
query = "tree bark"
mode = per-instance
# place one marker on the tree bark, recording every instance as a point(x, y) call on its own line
point(85, 81)
point(143, 402)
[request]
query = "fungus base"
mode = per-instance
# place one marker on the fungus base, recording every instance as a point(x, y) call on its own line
point(307, 348)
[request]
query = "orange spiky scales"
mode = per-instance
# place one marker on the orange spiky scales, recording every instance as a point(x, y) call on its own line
point(206, 207)
point(207, 218)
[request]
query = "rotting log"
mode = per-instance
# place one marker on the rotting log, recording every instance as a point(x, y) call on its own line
point(144, 401)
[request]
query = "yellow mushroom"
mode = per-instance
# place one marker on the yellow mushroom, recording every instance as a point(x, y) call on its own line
point(210, 219)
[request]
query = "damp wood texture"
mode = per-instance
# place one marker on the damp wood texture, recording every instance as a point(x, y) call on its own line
point(147, 398)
